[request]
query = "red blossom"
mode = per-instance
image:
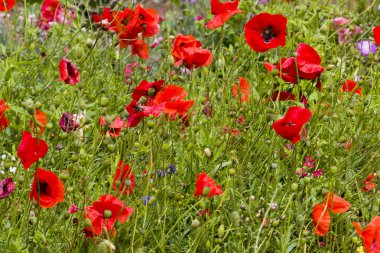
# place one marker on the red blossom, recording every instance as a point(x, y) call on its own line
point(368, 184)
point(205, 186)
point(3, 120)
point(321, 219)
point(336, 204)
point(68, 72)
point(308, 62)
point(376, 34)
point(114, 127)
point(125, 177)
point(172, 96)
point(47, 188)
point(31, 149)
point(187, 49)
point(370, 235)
point(7, 5)
point(243, 90)
point(265, 31)
point(222, 12)
point(105, 212)
point(351, 86)
point(291, 125)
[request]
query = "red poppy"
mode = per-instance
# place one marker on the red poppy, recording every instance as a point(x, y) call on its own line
point(7, 5)
point(68, 72)
point(283, 96)
point(140, 48)
point(336, 204)
point(125, 177)
point(287, 69)
point(370, 235)
point(31, 149)
point(321, 219)
point(137, 112)
point(114, 127)
point(265, 31)
point(308, 62)
point(3, 108)
point(47, 188)
point(376, 34)
point(146, 89)
point(350, 86)
point(368, 184)
point(68, 122)
point(291, 125)
point(105, 212)
point(222, 12)
point(50, 10)
point(40, 121)
point(171, 96)
point(243, 90)
point(205, 186)
point(187, 49)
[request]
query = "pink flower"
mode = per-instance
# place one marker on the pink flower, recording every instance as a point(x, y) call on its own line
point(340, 25)
point(73, 209)
point(317, 173)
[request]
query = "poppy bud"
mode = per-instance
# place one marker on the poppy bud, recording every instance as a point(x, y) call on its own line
point(89, 43)
point(235, 216)
point(206, 191)
point(151, 92)
point(151, 123)
point(300, 219)
point(111, 147)
point(142, 100)
point(106, 247)
point(87, 223)
point(333, 170)
point(195, 223)
point(127, 182)
point(29, 105)
point(104, 102)
point(38, 105)
point(107, 214)
point(207, 152)
point(231, 172)
point(294, 187)
point(165, 146)
point(221, 231)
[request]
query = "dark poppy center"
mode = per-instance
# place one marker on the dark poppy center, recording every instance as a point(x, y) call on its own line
point(70, 70)
point(141, 17)
point(44, 188)
point(137, 108)
point(290, 124)
point(268, 34)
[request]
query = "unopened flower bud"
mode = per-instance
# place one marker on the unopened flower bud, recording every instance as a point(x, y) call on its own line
point(207, 152)
point(195, 223)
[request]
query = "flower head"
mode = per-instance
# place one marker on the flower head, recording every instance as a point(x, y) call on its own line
point(366, 47)
point(47, 188)
point(321, 219)
point(370, 235)
point(265, 31)
point(68, 72)
point(376, 34)
point(3, 120)
point(7, 5)
point(222, 12)
point(243, 90)
point(205, 186)
point(125, 178)
point(68, 122)
point(31, 149)
point(351, 86)
point(7, 186)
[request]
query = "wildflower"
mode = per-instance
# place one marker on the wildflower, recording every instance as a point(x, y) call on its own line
point(105, 212)
point(125, 178)
point(376, 34)
point(368, 184)
point(12, 169)
point(7, 186)
point(73, 209)
point(321, 219)
point(340, 24)
point(156, 42)
point(308, 62)
point(290, 126)
point(265, 31)
point(283, 96)
point(172, 168)
point(186, 49)
point(286, 69)
point(31, 149)
point(146, 200)
point(7, 5)
point(68, 122)
point(222, 12)
point(366, 47)
point(207, 110)
point(41, 120)
point(351, 86)
point(370, 235)
point(47, 188)
point(68, 72)
point(317, 173)
point(51, 11)
point(336, 204)
point(309, 162)
point(114, 128)
point(137, 111)
point(243, 90)
point(148, 90)
point(3, 120)
point(205, 186)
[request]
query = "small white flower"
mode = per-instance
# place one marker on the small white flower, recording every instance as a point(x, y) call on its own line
point(273, 206)
point(13, 158)
point(3, 156)
point(12, 169)
point(2, 172)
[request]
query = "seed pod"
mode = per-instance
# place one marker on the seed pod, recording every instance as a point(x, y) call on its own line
point(207, 152)
point(221, 231)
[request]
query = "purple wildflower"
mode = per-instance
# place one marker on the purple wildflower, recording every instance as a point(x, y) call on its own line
point(7, 186)
point(317, 173)
point(172, 168)
point(68, 122)
point(366, 47)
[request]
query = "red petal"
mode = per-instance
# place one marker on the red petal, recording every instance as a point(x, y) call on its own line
point(376, 34)
point(336, 204)
point(321, 220)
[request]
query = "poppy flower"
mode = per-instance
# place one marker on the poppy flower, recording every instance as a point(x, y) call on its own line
point(287, 69)
point(222, 12)
point(68, 122)
point(290, 126)
point(146, 89)
point(68, 72)
point(187, 49)
point(7, 186)
point(205, 186)
point(336, 204)
point(115, 127)
point(243, 90)
point(265, 31)
point(31, 149)
point(3, 120)
point(105, 212)
point(140, 48)
point(50, 9)
point(171, 96)
point(376, 34)
point(321, 219)
point(125, 177)
point(283, 96)
point(7, 5)
point(47, 188)
point(40, 120)
point(308, 62)
point(368, 184)
point(137, 112)
point(370, 235)
point(350, 85)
